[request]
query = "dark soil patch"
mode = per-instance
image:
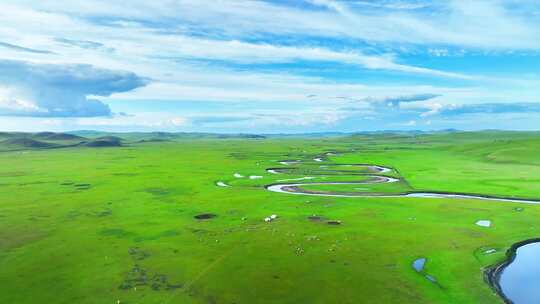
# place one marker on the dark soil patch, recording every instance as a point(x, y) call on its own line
point(315, 218)
point(205, 216)
point(333, 222)
point(116, 232)
point(141, 277)
point(125, 174)
point(82, 186)
point(157, 191)
point(73, 214)
point(138, 254)
point(106, 212)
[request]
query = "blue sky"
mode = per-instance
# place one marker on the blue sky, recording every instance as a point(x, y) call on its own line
point(269, 66)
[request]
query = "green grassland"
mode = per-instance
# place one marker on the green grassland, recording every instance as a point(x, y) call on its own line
point(105, 222)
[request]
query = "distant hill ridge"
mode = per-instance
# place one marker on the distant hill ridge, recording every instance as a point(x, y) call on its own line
point(105, 141)
point(57, 136)
point(27, 143)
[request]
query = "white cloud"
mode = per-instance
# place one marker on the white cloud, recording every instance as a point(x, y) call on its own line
point(29, 89)
point(410, 123)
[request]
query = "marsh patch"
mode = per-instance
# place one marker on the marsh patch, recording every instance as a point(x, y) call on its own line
point(239, 156)
point(157, 191)
point(167, 233)
point(82, 186)
point(138, 254)
point(333, 222)
point(140, 277)
point(199, 231)
point(116, 232)
point(73, 214)
point(125, 174)
point(205, 216)
point(103, 213)
point(13, 174)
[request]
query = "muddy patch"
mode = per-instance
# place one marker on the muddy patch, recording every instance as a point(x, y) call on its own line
point(205, 216)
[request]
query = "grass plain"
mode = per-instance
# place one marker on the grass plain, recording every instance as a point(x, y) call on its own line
point(86, 224)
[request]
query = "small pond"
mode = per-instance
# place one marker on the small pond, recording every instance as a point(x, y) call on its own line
point(520, 280)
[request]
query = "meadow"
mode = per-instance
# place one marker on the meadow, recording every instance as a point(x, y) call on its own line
point(113, 219)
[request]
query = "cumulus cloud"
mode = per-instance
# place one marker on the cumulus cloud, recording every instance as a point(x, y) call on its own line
point(48, 90)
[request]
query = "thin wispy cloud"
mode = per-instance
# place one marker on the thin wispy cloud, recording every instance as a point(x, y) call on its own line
point(23, 49)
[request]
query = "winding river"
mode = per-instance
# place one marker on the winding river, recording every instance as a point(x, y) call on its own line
point(375, 176)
